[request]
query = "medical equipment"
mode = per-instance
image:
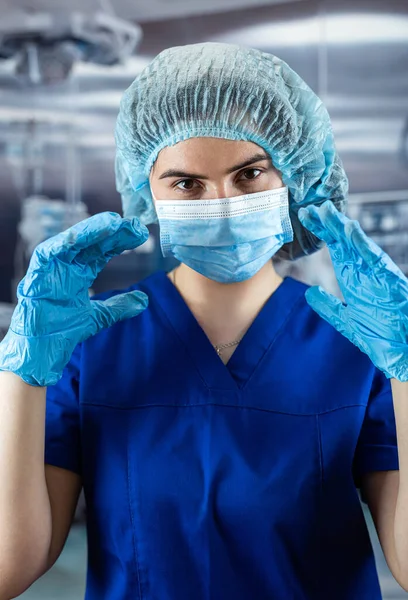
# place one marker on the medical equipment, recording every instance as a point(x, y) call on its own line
point(43, 218)
point(45, 46)
point(228, 239)
point(384, 217)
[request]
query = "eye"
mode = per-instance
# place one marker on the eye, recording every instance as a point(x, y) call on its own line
point(250, 174)
point(186, 185)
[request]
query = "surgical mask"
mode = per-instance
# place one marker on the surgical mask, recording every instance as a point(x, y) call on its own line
point(227, 239)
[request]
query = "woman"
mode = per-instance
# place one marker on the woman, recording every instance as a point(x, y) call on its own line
point(219, 434)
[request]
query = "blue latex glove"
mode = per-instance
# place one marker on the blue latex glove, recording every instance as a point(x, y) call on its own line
point(54, 312)
point(375, 316)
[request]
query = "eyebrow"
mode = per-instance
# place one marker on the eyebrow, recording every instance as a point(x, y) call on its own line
point(253, 159)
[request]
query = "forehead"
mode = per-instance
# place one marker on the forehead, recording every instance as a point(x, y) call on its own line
point(206, 152)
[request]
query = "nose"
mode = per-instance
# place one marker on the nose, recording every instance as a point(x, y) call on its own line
point(223, 189)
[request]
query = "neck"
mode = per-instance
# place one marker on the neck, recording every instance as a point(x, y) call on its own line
point(225, 311)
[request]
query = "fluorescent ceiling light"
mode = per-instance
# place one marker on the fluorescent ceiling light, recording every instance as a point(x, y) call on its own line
point(336, 29)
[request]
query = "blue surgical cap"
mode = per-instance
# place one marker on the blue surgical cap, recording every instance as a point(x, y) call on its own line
point(227, 91)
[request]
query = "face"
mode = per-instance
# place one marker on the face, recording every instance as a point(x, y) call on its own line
point(206, 168)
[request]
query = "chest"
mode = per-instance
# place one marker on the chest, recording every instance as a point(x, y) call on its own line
point(199, 472)
point(187, 434)
point(164, 420)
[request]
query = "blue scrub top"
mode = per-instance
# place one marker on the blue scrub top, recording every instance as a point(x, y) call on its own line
point(213, 482)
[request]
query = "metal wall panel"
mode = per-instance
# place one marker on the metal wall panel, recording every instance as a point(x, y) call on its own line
point(353, 53)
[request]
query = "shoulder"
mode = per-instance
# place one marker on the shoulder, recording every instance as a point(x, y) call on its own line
point(319, 343)
point(123, 350)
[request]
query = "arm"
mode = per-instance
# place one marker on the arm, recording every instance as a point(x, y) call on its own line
point(374, 317)
point(25, 513)
point(387, 494)
point(36, 504)
point(63, 488)
point(53, 316)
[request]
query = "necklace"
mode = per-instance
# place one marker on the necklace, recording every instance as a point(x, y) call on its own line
point(217, 347)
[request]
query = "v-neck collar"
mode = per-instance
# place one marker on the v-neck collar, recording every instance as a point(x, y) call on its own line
point(254, 345)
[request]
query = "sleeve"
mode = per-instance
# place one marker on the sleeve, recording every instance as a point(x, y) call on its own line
point(377, 444)
point(62, 431)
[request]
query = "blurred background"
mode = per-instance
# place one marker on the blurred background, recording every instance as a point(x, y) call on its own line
point(63, 71)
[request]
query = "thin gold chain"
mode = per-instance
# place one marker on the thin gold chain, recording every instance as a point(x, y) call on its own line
point(218, 347)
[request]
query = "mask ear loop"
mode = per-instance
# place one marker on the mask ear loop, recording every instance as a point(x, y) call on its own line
point(150, 185)
point(151, 191)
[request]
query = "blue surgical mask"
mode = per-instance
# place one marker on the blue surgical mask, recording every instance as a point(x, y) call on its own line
point(226, 239)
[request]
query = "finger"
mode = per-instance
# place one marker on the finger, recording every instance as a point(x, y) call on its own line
point(326, 305)
point(118, 308)
point(354, 243)
point(310, 218)
point(351, 234)
point(336, 223)
point(100, 228)
point(372, 254)
point(80, 235)
point(333, 311)
point(129, 235)
point(376, 257)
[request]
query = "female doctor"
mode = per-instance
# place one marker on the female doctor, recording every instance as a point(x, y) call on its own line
point(218, 417)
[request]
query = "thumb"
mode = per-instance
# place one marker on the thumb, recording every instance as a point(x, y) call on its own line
point(335, 312)
point(118, 308)
point(327, 306)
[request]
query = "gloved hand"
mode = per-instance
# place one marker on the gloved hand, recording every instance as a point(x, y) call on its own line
point(54, 312)
point(375, 316)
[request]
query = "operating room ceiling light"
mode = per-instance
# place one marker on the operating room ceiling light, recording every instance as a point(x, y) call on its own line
point(44, 47)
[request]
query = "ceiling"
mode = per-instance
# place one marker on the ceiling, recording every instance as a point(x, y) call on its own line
point(141, 11)
point(357, 61)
